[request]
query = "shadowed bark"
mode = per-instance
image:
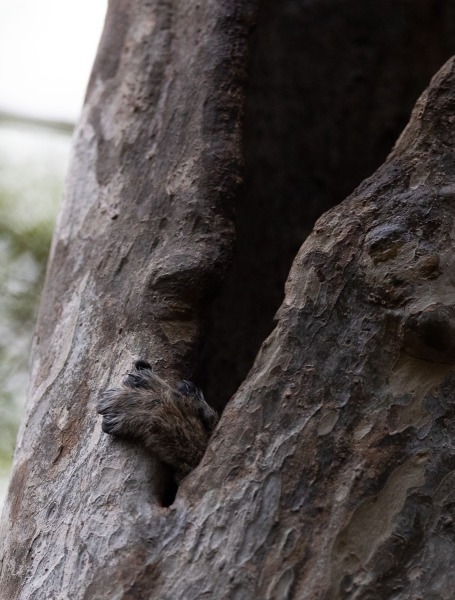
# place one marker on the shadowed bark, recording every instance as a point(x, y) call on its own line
point(331, 86)
point(331, 472)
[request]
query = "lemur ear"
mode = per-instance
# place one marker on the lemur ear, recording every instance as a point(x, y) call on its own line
point(142, 365)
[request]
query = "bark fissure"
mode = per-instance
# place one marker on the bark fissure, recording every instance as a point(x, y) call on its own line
point(331, 472)
point(329, 90)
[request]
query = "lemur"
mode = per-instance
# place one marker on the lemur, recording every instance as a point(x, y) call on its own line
point(174, 424)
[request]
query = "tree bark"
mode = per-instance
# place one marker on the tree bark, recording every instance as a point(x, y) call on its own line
point(142, 242)
point(330, 474)
point(330, 87)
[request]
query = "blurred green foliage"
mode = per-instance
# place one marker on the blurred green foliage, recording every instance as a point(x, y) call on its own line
point(30, 187)
point(23, 253)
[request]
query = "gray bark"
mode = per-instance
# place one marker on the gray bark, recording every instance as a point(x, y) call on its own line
point(330, 474)
point(143, 239)
point(330, 88)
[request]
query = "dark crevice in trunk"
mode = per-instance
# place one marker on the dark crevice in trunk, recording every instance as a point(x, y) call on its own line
point(166, 487)
point(331, 87)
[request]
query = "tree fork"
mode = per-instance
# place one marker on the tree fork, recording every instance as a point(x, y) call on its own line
point(331, 472)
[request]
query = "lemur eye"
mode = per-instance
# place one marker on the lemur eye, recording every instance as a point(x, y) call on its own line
point(187, 388)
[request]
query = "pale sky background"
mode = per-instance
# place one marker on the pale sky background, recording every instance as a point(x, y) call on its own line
point(47, 48)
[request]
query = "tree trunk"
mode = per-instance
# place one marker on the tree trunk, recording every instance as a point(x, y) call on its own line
point(330, 473)
point(331, 86)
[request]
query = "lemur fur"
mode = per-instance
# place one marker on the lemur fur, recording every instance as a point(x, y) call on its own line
point(174, 424)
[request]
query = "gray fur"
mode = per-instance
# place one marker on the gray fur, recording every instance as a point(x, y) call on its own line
point(174, 424)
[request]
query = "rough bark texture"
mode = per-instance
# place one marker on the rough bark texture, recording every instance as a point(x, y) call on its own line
point(143, 240)
point(331, 473)
point(331, 86)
